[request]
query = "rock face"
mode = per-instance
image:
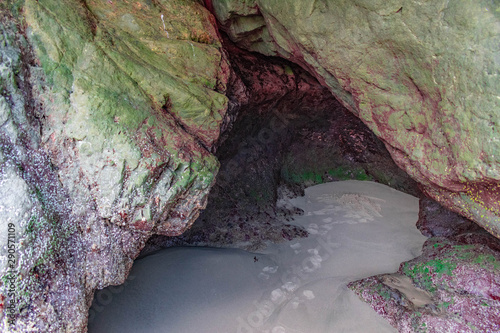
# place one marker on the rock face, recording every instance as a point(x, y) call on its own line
point(454, 286)
point(106, 130)
point(422, 75)
point(436, 221)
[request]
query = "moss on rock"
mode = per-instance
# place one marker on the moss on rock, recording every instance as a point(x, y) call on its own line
point(422, 76)
point(111, 126)
point(460, 277)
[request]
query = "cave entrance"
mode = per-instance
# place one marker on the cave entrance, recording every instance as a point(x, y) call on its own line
point(286, 132)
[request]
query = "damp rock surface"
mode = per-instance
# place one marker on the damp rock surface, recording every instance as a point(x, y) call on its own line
point(453, 286)
point(423, 76)
point(109, 111)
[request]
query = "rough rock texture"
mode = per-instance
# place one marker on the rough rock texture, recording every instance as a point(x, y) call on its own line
point(422, 75)
point(32, 239)
point(289, 133)
point(110, 112)
point(454, 286)
point(106, 130)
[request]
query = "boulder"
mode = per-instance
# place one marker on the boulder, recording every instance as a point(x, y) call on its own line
point(422, 75)
point(109, 111)
point(454, 286)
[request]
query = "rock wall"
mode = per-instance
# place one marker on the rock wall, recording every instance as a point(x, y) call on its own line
point(422, 75)
point(109, 112)
point(454, 286)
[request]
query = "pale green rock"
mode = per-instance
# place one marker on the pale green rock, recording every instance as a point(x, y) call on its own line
point(125, 103)
point(424, 76)
point(4, 111)
point(123, 81)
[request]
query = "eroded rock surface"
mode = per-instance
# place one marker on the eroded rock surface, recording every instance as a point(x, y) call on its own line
point(110, 112)
point(451, 287)
point(454, 286)
point(106, 132)
point(436, 221)
point(422, 75)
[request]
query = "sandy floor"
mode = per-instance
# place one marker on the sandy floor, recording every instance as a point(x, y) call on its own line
point(357, 229)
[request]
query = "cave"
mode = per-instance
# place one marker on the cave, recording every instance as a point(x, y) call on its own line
point(286, 133)
point(249, 166)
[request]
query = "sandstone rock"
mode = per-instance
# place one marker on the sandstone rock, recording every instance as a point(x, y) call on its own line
point(422, 75)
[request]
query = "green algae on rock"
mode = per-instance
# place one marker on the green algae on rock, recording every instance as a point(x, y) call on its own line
point(133, 98)
point(422, 75)
point(460, 281)
point(118, 109)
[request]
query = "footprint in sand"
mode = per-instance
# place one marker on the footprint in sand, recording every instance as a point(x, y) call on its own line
point(277, 296)
point(295, 303)
point(270, 269)
point(313, 229)
point(296, 247)
point(290, 286)
point(278, 329)
point(264, 275)
point(308, 294)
